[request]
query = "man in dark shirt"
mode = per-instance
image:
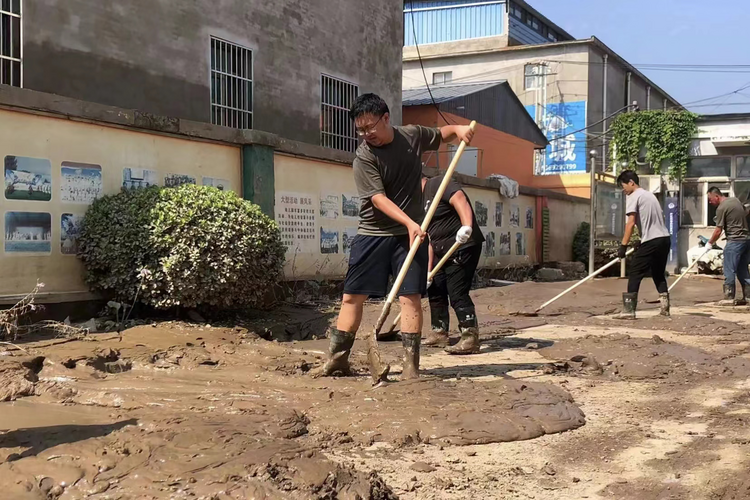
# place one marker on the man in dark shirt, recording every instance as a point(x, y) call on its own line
point(454, 221)
point(732, 219)
point(387, 172)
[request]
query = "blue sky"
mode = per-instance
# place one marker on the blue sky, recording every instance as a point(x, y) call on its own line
point(670, 32)
point(35, 166)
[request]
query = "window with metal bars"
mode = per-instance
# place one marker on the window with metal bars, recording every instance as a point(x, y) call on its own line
point(11, 39)
point(336, 128)
point(231, 85)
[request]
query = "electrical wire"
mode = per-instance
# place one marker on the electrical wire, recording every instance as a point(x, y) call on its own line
point(421, 63)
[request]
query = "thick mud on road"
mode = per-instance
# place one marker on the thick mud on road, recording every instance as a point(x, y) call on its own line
point(570, 404)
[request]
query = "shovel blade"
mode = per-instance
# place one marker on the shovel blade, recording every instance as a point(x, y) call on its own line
point(378, 370)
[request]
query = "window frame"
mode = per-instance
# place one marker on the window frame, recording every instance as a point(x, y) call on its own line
point(540, 78)
point(449, 74)
point(516, 10)
point(227, 75)
point(338, 141)
point(13, 60)
point(707, 182)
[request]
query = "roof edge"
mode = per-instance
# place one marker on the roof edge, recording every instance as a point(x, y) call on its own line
point(544, 18)
point(724, 117)
point(545, 141)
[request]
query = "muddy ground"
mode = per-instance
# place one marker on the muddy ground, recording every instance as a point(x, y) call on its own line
point(565, 405)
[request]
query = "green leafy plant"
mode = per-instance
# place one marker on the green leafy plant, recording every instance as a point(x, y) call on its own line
point(581, 243)
point(665, 135)
point(188, 246)
point(602, 255)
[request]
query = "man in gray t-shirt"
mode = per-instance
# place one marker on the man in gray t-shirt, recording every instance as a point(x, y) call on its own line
point(388, 175)
point(643, 210)
point(732, 219)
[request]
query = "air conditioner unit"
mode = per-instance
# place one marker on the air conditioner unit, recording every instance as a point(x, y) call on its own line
point(731, 141)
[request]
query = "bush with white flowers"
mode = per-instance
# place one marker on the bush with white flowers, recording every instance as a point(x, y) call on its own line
point(188, 246)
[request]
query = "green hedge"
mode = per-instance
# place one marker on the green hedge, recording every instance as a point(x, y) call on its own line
point(188, 246)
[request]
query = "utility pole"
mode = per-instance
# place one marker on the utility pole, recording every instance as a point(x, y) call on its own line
point(592, 218)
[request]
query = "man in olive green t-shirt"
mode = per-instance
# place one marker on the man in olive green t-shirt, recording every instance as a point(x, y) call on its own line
point(732, 219)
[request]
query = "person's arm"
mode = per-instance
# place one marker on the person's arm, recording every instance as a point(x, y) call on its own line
point(431, 261)
point(629, 226)
point(451, 132)
point(720, 222)
point(461, 204)
point(714, 237)
point(391, 210)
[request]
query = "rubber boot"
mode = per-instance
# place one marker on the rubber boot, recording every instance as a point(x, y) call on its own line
point(338, 354)
point(664, 304)
point(629, 306)
point(411, 342)
point(438, 335)
point(729, 293)
point(469, 343)
point(742, 301)
point(745, 293)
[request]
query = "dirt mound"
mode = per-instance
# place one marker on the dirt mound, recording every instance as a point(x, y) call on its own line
point(620, 356)
point(18, 376)
point(179, 457)
point(737, 489)
point(428, 411)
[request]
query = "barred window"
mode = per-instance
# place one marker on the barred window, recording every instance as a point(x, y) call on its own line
point(336, 128)
point(10, 43)
point(231, 85)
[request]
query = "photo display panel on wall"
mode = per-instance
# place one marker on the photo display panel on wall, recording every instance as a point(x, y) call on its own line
point(297, 217)
point(80, 183)
point(38, 204)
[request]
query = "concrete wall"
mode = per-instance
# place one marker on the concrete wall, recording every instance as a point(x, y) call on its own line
point(505, 217)
point(302, 186)
point(52, 141)
point(567, 81)
point(565, 216)
point(616, 96)
point(325, 185)
point(155, 57)
point(315, 191)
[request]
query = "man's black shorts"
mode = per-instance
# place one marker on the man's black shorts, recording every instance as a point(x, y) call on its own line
point(376, 258)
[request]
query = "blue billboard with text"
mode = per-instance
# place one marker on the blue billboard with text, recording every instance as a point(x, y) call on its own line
point(564, 125)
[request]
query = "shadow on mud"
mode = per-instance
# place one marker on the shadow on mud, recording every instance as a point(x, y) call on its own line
point(500, 344)
point(38, 439)
point(480, 370)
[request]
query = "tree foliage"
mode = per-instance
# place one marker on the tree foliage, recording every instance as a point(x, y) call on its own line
point(665, 135)
point(188, 246)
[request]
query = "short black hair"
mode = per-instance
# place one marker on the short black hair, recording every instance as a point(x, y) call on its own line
point(368, 104)
point(626, 176)
point(715, 190)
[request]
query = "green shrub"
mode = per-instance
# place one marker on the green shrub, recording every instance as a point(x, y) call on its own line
point(603, 255)
point(581, 243)
point(188, 246)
